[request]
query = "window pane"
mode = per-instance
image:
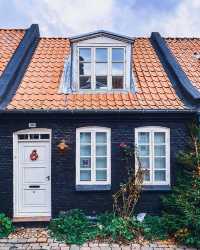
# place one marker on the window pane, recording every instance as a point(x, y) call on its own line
point(143, 150)
point(159, 137)
point(85, 82)
point(117, 55)
point(85, 54)
point(101, 137)
point(143, 137)
point(85, 69)
point(101, 69)
point(34, 136)
point(147, 175)
point(85, 175)
point(144, 162)
point(101, 162)
point(160, 175)
point(23, 137)
point(85, 150)
point(101, 150)
point(101, 82)
point(117, 82)
point(101, 175)
point(101, 55)
point(44, 136)
point(85, 137)
point(160, 163)
point(159, 150)
point(117, 69)
point(85, 162)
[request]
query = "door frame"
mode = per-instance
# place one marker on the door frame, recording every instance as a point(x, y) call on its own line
point(16, 169)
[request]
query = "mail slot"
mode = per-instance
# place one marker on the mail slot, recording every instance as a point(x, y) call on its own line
point(34, 186)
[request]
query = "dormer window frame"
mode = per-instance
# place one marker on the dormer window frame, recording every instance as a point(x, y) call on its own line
point(109, 62)
point(102, 39)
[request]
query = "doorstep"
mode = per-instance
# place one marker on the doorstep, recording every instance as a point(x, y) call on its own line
point(32, 219)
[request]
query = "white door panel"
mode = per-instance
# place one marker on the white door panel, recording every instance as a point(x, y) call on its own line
point(34, 185)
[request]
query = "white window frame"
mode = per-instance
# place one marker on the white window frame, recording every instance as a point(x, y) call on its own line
point(109, 68)
point(93, 130)
point(152, 130)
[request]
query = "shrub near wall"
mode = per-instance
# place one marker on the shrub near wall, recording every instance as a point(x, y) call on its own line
point(6, 226)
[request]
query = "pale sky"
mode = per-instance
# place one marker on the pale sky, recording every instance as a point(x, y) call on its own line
point(127, 17)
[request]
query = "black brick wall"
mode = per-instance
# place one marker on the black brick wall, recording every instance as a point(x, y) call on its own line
point(64, 126)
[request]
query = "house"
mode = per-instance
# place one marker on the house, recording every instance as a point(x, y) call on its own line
point(66, 104)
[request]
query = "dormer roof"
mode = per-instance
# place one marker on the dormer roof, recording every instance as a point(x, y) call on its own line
point(101, 33)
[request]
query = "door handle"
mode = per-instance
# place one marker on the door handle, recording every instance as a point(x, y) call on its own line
point(48, 178)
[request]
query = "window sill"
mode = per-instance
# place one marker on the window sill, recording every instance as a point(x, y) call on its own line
point(93, 187)
point(84, 91)
point(156, 188)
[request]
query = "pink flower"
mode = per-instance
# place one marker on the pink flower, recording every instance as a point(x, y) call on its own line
point(123, 145)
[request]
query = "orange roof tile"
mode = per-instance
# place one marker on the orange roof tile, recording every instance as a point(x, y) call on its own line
point(39, 88)
point(184, 49)
point(9, 41)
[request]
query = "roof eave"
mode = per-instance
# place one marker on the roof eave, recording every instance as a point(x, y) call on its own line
point(93, 111)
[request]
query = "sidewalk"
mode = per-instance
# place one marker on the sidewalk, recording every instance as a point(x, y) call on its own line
point(37, 238)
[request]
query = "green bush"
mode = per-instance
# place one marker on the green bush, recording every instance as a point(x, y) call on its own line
point(154, 228)
point(6, 226)
point(182, 207)
point(117, 228)
point(182, 211)
point(73, 227)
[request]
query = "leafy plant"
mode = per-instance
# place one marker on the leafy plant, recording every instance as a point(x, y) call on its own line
point(126, 198)
point(182, 206)
point(154, 228)
point(6, 226)
point(73, 227)
point(117, 228)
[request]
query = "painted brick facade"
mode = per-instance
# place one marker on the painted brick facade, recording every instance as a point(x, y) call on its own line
point(64, 195)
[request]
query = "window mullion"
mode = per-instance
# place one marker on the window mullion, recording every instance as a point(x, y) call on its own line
point(93, 137)
point(152, 156)
point(109, 68)
point(93, 69)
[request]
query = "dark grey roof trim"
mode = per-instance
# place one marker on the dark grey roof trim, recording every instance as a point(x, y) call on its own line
point(101, 33)
point(174, 66)
point(16, 67)
point(90, 111)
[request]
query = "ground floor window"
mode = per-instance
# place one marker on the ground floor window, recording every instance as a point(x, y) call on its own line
point(153, 147)
point(93, 156)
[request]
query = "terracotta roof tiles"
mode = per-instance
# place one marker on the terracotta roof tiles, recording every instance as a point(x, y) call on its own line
point(9, 41)
point(39, 88)
point(184, 50)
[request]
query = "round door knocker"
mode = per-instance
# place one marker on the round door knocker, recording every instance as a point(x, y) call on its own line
point(34, 155)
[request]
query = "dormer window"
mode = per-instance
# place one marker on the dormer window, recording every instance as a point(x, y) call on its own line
point(101, 68)
point(99, 61)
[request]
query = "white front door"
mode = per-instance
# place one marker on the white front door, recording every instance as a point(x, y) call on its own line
point(33, 180)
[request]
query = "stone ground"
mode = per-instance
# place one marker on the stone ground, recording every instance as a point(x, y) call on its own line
point(37, 238)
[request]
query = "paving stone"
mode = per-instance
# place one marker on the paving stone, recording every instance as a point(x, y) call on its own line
point(147, 248)
point(105, 247)
point(84, 248)
point(128, 247)
point(74, 247)
point(64, 247)
point(94, 244)
point(104, 244)
point(116, 248)
point(95, 248)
